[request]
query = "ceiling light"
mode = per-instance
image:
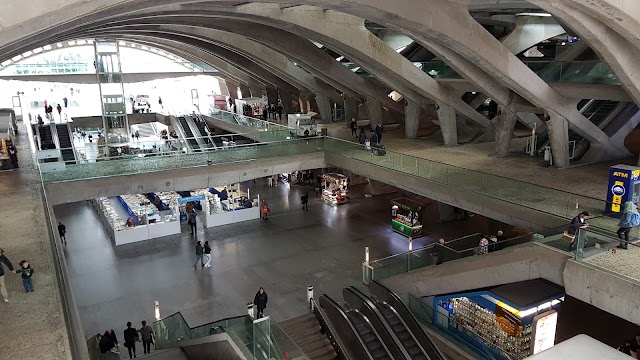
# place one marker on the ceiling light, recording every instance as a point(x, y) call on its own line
point(533, 14)
point(7, 62)
point(47, 47)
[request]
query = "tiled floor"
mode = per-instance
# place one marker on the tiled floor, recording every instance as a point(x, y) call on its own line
point(323, 247)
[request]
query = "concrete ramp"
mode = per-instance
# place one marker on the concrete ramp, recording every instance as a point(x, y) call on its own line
point(513, 264)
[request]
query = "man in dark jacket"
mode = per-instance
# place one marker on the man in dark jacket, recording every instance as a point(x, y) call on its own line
point(260, 301)
point(305, 201)
point(62, 230)
point(354, 127)
point(130, 337)
point(578, 222)
point(108, 341)
point(7, 263)
point(379, 131)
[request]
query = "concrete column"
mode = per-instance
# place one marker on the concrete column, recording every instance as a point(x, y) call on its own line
point(287, 101)
point(272, 95)
point(246, 92)
point(558, 128)
point(505, 123)
point(324, 106)
point(411, 119)
point(350, 109)
point(224, 87)
point(448, 125)
point(374, 108)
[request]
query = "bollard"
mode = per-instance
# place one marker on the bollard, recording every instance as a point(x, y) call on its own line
point(250, 309)
point(366, 255)
point(410, 243)
point(310, 296)
point(156, 308)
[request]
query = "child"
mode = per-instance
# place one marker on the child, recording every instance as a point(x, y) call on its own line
point(27, 273)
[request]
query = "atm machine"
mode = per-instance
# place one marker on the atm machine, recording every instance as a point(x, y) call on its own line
point(624, 185)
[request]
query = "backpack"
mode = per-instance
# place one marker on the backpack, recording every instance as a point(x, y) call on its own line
point(635, 219)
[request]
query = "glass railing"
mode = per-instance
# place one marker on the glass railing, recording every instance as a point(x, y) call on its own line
point(582, 72)
point(141, 161)
point(66, 68)
point(473, 343)
point(246, 121)
point(434, 254)
point(257, 340)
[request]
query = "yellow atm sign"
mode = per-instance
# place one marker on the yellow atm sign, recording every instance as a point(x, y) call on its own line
point(621, 174)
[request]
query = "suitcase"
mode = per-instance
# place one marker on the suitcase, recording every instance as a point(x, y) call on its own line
point(380, 150)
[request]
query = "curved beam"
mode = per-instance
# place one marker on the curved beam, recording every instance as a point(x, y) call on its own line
point(610, 46)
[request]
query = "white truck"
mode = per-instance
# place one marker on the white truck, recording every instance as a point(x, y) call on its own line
point(303, 124)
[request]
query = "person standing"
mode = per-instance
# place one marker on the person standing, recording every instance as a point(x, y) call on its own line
point(160, 102)
point(260, 301)
point(265, 113)
point(264, 208)
point(146, 332)
point(199, 253)
point(374, 140)
point(108, 342)
point(305, 201)
point(578, 222)
point(130, 338)
point(354, 127)
point(65, 101)
point(27, 275)
point(280, 110)
point(630, 219)
point(438, 249)
point(192, 221)
point(7, 263)
point(362, 137)
point(483, 247)
point(59, 108)
point(207, 254)
point(379, 131)
point(62, 230)
point(13, 156)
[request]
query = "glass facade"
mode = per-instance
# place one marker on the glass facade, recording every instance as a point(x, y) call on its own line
point(114, 110)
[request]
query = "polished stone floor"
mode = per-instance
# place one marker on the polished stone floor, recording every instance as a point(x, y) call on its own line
point(323, 247)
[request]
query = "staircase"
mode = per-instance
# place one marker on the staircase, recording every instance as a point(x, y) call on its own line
point(305, 332)
point(188, 133)
point(64, 139)
point(145, 130)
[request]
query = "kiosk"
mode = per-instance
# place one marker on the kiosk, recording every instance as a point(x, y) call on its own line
point(624, 185)
point(511, 321)
point(336, 188)
point(406, 217)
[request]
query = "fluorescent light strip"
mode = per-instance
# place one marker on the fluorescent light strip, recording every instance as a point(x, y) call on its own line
point(533, 14)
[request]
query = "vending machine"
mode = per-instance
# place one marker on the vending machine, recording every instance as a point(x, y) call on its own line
point(624, 185)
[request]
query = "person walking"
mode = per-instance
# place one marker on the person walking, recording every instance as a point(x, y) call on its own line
point(379, 131)
point(483, 246)
point(62, 231)
point(199, 253)
point(260, 301)
point(207, 254)
point(4, 260)
point(438, 251)
point(146, 333)
point(578, 222)
point(264, 208)
point(65, 101)
point(59, 108)
point(280, 110)
point(160, 102)
point(354, 127)
point(130, 338)
point(374, 141)
point(265, 113)
point(630, 219)
point(108, 342)
point(192, 221)
point(305, 201)
point(27, 275)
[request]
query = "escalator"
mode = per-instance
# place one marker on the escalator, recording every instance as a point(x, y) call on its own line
point(203, 129)
point(368, 335)
point(64, 140)
point(342, 328)
point(186, 130)
point(596, 111)
point(404, 324)
point(395, 347)
point(46, 137)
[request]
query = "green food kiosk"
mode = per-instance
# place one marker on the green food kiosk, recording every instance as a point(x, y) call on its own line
point(406, 217)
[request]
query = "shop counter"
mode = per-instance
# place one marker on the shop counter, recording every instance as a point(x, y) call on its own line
point(131, 235)
point(163, 229)
point(231, 217)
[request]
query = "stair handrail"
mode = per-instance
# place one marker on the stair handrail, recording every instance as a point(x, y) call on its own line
point(54, 138)
point(363, 352)
point(335, 342)
point(76, 156)
point(201, 118)
point(194, 130)
point(180, 131)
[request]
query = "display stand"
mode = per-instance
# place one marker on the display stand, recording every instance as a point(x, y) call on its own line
point(231, 210)
point(406, 217)
point(336, 189)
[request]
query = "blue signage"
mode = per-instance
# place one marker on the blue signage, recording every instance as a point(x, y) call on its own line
point(623, 187)
point(190, 199)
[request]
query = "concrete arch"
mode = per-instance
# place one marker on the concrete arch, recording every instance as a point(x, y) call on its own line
point(617, 51)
